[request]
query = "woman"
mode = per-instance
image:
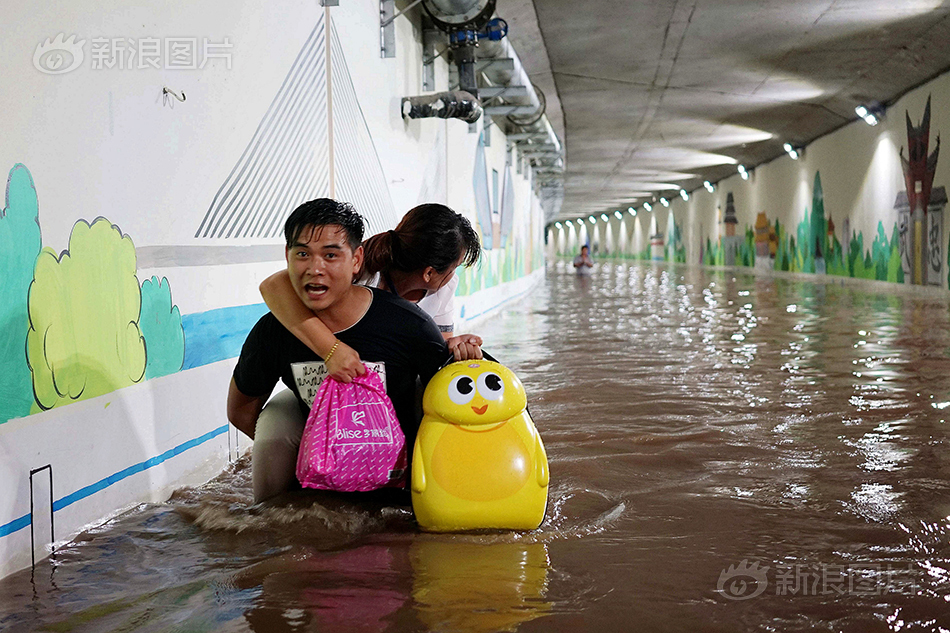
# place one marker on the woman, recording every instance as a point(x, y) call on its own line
point(415, 261)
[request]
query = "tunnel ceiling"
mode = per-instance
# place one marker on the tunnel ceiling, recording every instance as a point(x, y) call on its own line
point(651, 96)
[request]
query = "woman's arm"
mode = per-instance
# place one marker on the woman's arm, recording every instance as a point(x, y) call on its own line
point(279, 295)
point(464, 346)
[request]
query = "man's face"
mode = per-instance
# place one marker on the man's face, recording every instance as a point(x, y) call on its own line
point(584, 251)
point(322, 265)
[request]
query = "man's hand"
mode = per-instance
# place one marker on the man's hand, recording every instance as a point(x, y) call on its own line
point(345, 364)
point(465, 347)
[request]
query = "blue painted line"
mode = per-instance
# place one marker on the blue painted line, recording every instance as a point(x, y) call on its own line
point(15, 525)
point(218, 334)
point(91, 489)
point(24, 521)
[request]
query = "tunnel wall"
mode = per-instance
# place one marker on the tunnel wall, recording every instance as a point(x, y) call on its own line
point(136, 226)
point(841, 209)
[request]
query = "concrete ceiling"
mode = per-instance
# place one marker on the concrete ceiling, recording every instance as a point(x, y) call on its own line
point(652, 96)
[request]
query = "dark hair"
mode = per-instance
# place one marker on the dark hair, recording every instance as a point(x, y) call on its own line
point(429, 235)
point(322, 212)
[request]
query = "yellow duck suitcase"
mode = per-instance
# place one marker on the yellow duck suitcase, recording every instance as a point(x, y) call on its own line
point(478, 461)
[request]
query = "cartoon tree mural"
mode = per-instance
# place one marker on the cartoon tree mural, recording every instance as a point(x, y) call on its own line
point(160, 323)
point(919, 169)
point(84, 340)
point(819, 226)
point(746, 254)
point(784, 253)
point(20, 243)
point(713, 254)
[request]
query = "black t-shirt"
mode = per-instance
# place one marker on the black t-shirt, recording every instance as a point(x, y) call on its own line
point(393, 332)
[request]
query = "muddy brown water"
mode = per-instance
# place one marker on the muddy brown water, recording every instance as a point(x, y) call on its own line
point(728, 453)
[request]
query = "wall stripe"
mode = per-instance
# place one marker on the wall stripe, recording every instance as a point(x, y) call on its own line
point(86, 491)
point(104, 483)
point(15, 525)
point(170, 256)
point(218, 334)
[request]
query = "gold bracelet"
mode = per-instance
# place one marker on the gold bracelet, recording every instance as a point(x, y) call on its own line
point(326, 359)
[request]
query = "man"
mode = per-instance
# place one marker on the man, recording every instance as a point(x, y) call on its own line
point(583, 264)
point(400, 341)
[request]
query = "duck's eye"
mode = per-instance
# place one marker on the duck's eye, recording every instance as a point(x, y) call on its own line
point(491, 386)
point(461, 390)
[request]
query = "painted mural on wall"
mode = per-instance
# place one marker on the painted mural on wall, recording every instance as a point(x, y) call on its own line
point(76, 325)
point(912, 251)
point(920, 206)
point(288, 158)
point(483, 206)
point(500, 265)
point(20, 243)
point(508, 251)
point(813, 248)
point(675, 249)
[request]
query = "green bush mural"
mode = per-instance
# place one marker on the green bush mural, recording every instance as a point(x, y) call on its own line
point(84, 339)
point(20, 243)
point(160, 322)
point(77, 325)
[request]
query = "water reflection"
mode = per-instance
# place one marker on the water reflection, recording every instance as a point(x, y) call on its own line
point(357, 589)
point(478, 587)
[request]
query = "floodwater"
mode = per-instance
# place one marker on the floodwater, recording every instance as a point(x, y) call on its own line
point(728, 453)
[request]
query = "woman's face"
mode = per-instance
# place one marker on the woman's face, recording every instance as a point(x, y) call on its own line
point(437, 280)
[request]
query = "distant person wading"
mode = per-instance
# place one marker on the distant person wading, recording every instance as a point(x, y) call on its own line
point(583, 264)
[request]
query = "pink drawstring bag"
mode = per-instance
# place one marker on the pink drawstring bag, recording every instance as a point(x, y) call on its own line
point(352, 440)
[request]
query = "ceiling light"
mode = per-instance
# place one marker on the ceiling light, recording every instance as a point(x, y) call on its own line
point(603, 216)
point(664, 202)
point(592, 220)
point(647, 206)
point(570, 224)
point(709, 186)
point(872, 113)
point(743, 172)
point(557, 224)
point(792, 151)
point(683, 194)
point(632, 211)
point(619, 215)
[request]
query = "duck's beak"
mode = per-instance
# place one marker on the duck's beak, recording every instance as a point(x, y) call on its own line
point(479, 405)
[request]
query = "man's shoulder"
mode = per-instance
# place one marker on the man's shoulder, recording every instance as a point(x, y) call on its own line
point(398, 319)
point(386, 303)
point(268, 324)
point(267, 331)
